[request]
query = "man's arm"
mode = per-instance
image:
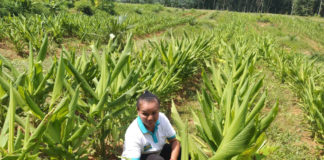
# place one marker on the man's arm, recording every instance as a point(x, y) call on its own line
point(132, 147)
point(175, 146)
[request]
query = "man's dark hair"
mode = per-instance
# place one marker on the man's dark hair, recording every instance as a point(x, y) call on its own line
point(148, 97)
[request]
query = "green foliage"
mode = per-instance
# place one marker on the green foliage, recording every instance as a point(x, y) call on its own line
point(55, 7)
point(157, 8)
point(85, 96)
point(70, 3)
point(4, 8)
point(58, 23)
point(238, 129)
point(77, 106)
point(263, 19)
point(193, 22)
point(16, 7)
point(304, 7)
point(25, 30)
point(137, 11)
point(305, 78)
point(85, 7)
point(179, 59)
point(107, 6)
point(213, 15)
point(230, 124)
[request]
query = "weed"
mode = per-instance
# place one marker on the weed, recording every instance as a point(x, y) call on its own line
point(263, 19)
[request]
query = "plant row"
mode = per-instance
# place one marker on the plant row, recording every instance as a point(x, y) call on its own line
point(20, 30)
point(305, 76)
point(81, 104)
point(230, 122)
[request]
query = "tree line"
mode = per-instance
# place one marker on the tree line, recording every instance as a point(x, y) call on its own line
point(294, 7)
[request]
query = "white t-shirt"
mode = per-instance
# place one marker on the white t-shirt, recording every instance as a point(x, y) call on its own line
point(139, 140)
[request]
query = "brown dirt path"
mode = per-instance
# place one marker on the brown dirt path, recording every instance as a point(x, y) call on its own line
point(289, 134)
point(160, 32)
point(141, 40)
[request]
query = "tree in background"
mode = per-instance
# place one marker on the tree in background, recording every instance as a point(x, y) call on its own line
point(296, 7)
point(320, 8)
point(303, 7)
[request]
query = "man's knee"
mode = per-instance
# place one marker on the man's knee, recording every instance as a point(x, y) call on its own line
point(154, 157)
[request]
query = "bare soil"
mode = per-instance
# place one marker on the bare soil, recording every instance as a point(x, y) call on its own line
point(290, 120)
point(264, 24)
point(7, 51)
point(313, 44)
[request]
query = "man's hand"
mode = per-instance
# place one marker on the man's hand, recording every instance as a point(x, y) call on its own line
point(175, 146)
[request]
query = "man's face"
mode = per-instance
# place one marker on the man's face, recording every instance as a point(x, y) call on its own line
point(149, 113)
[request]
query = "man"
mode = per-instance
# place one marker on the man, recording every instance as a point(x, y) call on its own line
point(145, 138)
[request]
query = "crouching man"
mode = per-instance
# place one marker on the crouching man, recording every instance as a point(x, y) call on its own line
point(145, 138)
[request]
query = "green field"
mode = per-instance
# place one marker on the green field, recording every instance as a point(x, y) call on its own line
point(236, 85)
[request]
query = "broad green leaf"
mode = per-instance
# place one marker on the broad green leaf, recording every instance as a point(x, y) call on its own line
point(33, 106)
point(78, 133)
point(99, 107)
point(4, 131)
point(84, 84)
point(27, 130)
point(122, 60)
point(41, 85)
point(70, 116)
point(266, 121)
point(176, 117)
point(30, 59)
point(12, 111)
point(184, 142)
point(256, 109)
point(100, 89)
point(42, 51)
point(37, 133)
point(5, 85)
point(124, 97)
point(58, 85)
point(8, 64)
point(18, 139)
point(236, 145)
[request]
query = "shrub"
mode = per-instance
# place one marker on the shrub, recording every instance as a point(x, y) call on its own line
point(157, 8)
point(55, 7)
point(138, 11)
point(70, 4)
point(8, 7)
point(3, 12)
point(40, 8)
point(85, 7)
point(263, 19)
point(107, 6)
point(213, 15)
point(192, 21)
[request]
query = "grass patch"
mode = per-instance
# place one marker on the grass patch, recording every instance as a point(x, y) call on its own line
point(288, 137)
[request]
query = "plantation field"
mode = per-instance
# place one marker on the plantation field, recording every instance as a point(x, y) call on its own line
point(235, 85)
